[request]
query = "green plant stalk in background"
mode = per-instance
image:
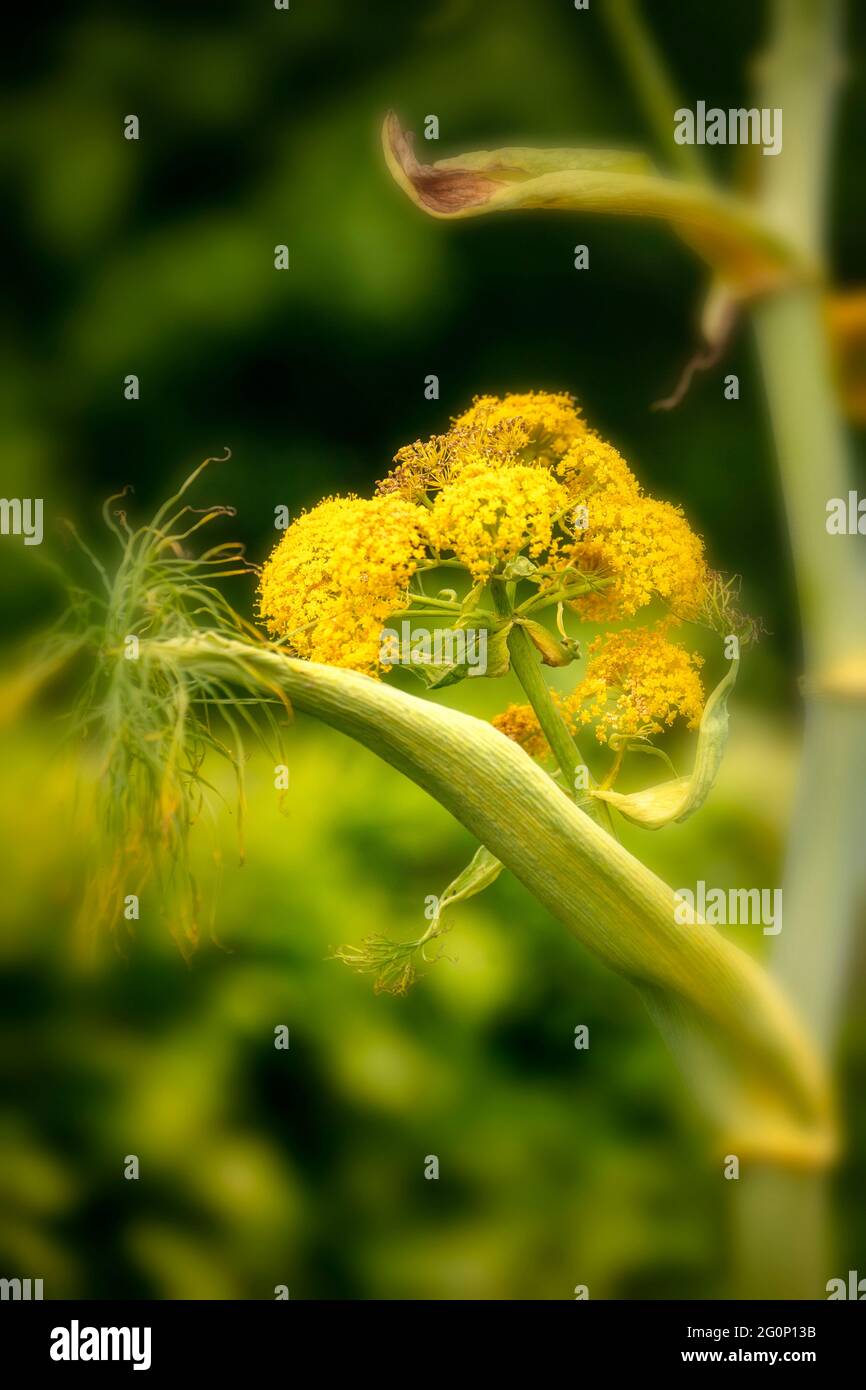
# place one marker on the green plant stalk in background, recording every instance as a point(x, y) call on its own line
point(781, 1217)
point(782, 1226)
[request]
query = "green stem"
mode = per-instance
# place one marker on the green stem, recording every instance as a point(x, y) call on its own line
point(650, 79)
point(783, 1243)
point(447, 605)
point(527, 669)
point(780, 1216)
point(545, 598)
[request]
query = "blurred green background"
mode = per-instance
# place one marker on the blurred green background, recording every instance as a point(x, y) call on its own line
point(262, 1167)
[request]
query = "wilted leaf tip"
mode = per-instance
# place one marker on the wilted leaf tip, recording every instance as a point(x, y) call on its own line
point(439, 191)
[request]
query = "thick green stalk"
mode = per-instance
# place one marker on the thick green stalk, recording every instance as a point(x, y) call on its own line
point(729, 1026)
point(782, 1242)
point(783, 1237)
point(824, 868)
point(526, 666)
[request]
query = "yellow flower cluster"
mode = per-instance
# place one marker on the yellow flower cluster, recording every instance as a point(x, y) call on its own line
point(520, 724)
point(648, 548)
point(637, 683)
point(591, 466)
point(520, 475)
point(490, 515)
point(338, 573)
point(543, 424)
point(645, 546)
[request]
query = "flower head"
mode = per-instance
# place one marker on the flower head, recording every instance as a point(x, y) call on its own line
point(638, 683)
point(489, 515)
point(338, 572)
point(429, 465)
point(591, 465)
point(647, 548)
point(520, 724)
point(544, 423)
point(519, 477)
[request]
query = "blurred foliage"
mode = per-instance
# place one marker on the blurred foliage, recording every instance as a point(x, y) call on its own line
point(305, 1167)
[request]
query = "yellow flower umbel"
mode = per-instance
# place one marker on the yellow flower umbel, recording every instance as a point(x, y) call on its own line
point(644, 546)
point(648, 548)
point(537, 511)
point(488, 516)
point(544, 424)
point(520, 724)
point(637, 684)
point(536, 427)
point(338, 573)
point(591, 466)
